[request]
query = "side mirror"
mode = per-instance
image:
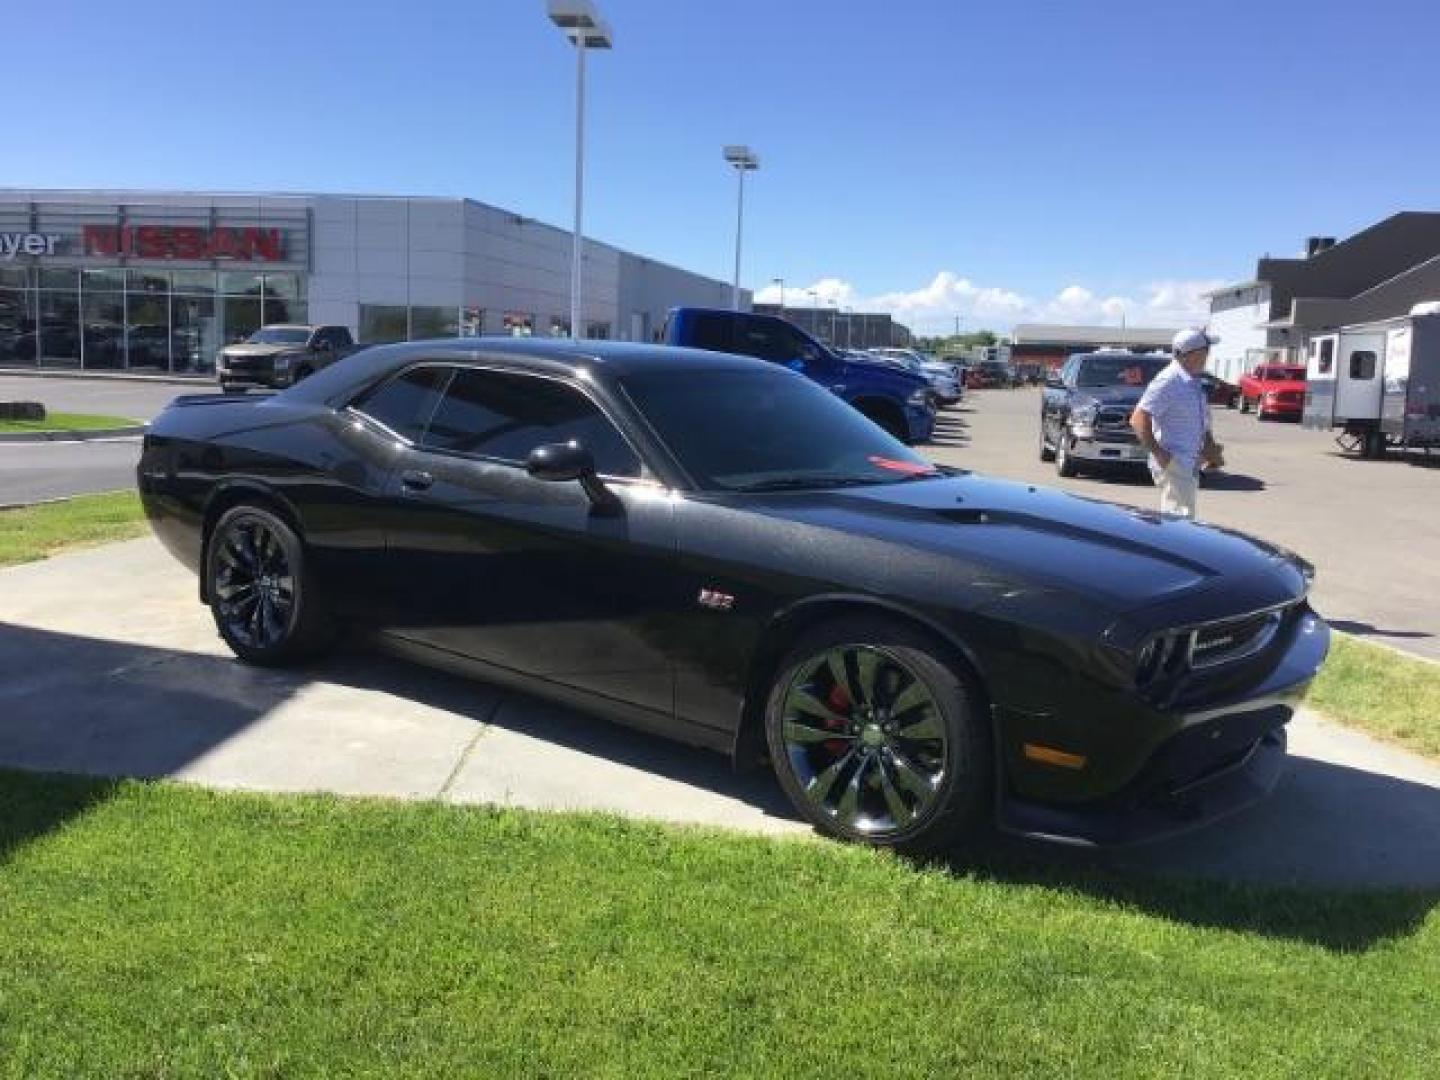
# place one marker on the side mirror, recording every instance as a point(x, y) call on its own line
point(1054, 382)
point(569, 461)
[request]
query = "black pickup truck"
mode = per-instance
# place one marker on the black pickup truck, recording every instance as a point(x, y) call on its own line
point(281, 355)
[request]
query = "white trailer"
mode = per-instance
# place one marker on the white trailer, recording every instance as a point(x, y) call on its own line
point(1378, 382)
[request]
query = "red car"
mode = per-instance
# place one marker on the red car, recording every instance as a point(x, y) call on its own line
point(1274, 390)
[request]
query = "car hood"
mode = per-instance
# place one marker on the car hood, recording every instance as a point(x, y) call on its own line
point(1033, 538)
point(247, 350)
point(872, 368)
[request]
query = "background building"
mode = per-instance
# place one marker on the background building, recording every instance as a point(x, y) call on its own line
point(1378, 273)
point(844, 329)
point(158, 280)
point(1033, 343)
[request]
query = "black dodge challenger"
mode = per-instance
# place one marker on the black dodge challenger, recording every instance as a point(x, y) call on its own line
point(718, 549)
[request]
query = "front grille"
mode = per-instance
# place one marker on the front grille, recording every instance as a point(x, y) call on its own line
point(1289, 397)
point(1112, 424)
point(1235, 639)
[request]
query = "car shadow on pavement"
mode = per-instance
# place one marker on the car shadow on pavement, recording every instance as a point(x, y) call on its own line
point(1329, 836)
point(1364, 629)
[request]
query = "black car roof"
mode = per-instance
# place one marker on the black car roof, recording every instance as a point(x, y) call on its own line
point(554, 356)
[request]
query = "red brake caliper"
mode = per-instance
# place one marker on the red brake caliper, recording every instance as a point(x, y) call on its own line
point(839, 702)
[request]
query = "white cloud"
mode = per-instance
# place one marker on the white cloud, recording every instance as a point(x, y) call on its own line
point(932, 308)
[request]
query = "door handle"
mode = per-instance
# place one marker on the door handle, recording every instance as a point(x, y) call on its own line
point(416, 480)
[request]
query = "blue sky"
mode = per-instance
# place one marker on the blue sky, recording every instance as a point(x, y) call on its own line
point(1002, 162)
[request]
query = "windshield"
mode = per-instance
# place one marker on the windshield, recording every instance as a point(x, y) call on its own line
point(1119, 370)
point(279, 335)
point(767, 430)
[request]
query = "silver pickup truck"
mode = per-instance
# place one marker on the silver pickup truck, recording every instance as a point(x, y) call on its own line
point(281, 355)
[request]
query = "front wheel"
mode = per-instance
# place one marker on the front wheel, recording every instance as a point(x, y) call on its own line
point(879, 737)
point(1064, 463)
point(1244, 404)
point(1046, 454)
point(261, 591)
point(893, 424)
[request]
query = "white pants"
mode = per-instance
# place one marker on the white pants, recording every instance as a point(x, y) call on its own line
point(1179, 488)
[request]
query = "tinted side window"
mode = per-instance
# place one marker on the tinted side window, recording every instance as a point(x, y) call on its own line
point(709, 332)
point(405, 403)
point(504, 416)
point(767, 340)
point(1327, 355)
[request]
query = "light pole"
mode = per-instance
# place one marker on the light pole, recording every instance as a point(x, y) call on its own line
point(581, 23)
point(744, 160)
point(781, 282)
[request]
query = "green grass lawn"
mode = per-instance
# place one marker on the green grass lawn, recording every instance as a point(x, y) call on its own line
point(35, 532)
point(164, 931)
point(1382, 692)
point(59, 421)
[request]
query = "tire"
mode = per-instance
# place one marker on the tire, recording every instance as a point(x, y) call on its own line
point(855, 774)
point(231, 388)
point(1046, 453)
point(1375, 444)
point(1244, 404)
point(261, 590)
point(1064, 463)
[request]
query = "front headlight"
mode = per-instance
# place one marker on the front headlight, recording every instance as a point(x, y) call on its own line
point(282, 364)
point(920, 397)
point(1084, 415)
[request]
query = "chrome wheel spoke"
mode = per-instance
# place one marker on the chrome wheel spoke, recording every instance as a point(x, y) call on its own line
point(835, 660)
point(803, 701)
point(867, 663)
point(924, 727)
point(848, 811)
point(913, 695)
point(821, 785)
point(798, 732)
point(894, 802)
point(912, 779)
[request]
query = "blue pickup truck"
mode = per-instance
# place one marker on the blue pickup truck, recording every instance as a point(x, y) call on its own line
point(898, 400)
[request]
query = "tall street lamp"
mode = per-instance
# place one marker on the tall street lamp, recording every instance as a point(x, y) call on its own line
point(581, 24)
point(744, 160)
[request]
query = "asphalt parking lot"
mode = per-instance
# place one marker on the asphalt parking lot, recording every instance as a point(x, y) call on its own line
point(109, 665)
point(32, 472)
point(1368, 526)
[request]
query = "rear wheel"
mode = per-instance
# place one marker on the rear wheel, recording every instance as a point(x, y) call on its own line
point(878, 736)
point(1244, 404)
point(261, 589)
point(886, 417)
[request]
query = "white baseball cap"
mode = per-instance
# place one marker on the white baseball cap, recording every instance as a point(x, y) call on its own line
point(1192, 340)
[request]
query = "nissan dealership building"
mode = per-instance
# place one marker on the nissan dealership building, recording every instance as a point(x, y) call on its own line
point(159, 281)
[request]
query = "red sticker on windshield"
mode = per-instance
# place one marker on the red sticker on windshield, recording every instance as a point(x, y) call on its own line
point(910, 468)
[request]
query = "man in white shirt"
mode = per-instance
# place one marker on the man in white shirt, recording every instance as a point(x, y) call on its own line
point(1173, 423)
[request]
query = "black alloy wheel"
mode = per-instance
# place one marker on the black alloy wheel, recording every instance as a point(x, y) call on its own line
point(877, 736)
point(259, 591)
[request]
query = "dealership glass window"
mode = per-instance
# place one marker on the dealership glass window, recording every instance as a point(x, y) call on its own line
point(434, 322)
point(240, 283)
point(242, 317)
point(380, 323)
point(17, 327)
point(472, 322)
point(59, 326)
point(59, 278)
point(16, 277)
point(283, 311)
point(102, 326)
point(196, 337)
point(147, 331)
point(193, 282)
point(559, 327)
point(282, 286)
point(102, 281)
point(519, 324)
point(149, 281)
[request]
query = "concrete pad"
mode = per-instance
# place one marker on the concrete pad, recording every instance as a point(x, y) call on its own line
point(109, 665)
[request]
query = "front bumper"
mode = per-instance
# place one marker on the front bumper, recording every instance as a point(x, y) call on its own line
point(1116, 452)
point(1223, 757)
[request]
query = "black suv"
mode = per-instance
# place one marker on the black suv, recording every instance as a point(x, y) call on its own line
point(1086, 406)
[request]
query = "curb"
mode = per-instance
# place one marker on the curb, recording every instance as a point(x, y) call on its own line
point(70, 436)
point(109, 376)
point(59, 499)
